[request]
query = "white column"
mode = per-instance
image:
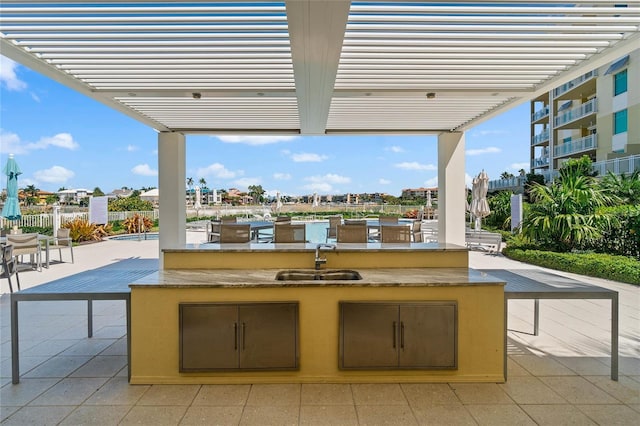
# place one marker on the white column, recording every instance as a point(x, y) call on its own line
point(451, 188)
point(171, 186)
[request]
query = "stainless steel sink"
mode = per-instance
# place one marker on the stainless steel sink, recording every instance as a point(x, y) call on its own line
point(315, 275)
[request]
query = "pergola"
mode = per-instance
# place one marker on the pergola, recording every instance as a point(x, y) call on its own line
point(316, 67)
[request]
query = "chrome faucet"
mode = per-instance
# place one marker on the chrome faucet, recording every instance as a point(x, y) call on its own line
point(319, 260)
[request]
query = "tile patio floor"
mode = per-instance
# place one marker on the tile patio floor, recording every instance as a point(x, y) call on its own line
point(559, 377)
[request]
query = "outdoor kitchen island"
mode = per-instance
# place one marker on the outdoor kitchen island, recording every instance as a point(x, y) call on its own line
point(217, 314)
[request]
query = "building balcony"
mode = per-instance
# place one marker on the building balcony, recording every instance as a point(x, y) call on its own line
point(581, 116)
point(540, 114)
point(540, 137)
point(617, 166)
point(576, 146)
point(586, 84)
point(515, 184)
point(540, 162)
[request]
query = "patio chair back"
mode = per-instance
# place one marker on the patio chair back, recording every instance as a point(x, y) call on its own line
point(229, 219)
point(388, 220)
point(395, 234)
point(352, 233)
point(235, 233)
point(26, 244)
point(62, 240)
point(283, 219)
point(332, 230)
point(416, 230)
point(290, 233)
point(9, 266)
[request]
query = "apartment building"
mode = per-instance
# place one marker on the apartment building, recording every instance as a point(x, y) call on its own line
point(596, 114)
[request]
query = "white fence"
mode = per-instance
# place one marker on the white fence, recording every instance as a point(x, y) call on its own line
point(45, 220)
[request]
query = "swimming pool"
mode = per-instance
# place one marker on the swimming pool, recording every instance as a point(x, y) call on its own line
point(316, 233)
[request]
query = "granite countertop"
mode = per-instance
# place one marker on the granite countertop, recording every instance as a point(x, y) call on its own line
point(248, 278)
point(309, 247)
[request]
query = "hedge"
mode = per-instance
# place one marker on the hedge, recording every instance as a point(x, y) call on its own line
point(618, 268)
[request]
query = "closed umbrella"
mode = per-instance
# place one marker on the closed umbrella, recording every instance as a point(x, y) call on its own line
point(480, 206)
point(11, 208)
point(278, 202)
point(429, 204)
point(197, 204)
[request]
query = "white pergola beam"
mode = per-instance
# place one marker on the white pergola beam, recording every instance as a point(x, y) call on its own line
point(316, 31)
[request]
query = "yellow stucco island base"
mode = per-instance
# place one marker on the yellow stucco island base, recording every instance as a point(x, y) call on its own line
point(335, 331)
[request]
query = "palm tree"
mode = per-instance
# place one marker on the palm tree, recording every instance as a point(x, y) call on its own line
point(31, 193)
point(190, 186)
point(566, 214)
point(203, 183)
point(627, 187)
point(506, 175)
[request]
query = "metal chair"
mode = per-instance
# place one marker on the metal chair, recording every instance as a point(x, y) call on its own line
point(395, 234)
point(26, 244)
point(352, 233)
point(9, 266)
point(290, 233)
point(62, 240)
point(235, 233)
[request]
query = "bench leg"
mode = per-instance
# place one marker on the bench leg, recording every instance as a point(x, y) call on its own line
point(536, 317)
point(15, 354)
point(90, 317)
point(614, 337)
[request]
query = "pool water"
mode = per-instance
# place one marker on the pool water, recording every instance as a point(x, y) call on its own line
point(316, 233)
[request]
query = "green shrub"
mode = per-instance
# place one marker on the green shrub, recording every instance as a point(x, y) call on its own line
point(623, 236)
point(617, 268)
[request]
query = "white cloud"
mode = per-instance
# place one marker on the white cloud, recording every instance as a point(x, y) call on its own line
point(328, 178)
point(414, 165)
point(383, 181)
point(144, 170)
point(321, 187)
point(55, 174)
point(254, 139)
point(247, 181)
point(487, 150)
point(430, 183)
point(8, 76)
point(324, 183)
point(132, 148)
point(468, 180)
point(307, 157)
point(218, 170)
point(490, 132)
point(518, 166)
point(281, 176)
point(394, 149)
point(12, 143)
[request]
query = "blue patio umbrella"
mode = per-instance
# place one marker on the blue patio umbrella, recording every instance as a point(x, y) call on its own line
point(11, 208)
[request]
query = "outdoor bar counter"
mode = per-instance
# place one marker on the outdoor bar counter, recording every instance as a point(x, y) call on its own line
point(217, 314)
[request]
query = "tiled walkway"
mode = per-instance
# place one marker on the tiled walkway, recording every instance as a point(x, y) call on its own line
point(559, 377)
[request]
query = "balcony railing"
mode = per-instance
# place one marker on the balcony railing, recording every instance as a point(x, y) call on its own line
point(540, 162)
point(540, 137)
point(583, 110)
point(579, 145)
point(540, 113)
point(574, 83)
point(616, 166)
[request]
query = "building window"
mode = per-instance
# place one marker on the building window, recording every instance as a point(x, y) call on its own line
point(620, 83)
point(620, 122)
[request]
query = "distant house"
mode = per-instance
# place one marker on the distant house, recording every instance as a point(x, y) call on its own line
point(419, 192)
point(73, 196)
point(120, 193)
point(151, 195)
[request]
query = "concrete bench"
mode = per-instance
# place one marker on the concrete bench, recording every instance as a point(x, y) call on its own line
point(482, 238)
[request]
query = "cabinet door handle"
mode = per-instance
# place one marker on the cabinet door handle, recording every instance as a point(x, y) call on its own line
point(235, 336)
point(402, 334)
point(394, 335)
point(244, 331)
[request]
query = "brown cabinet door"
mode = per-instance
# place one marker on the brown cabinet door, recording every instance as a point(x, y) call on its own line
point(368, 335)
point(208, 337)
point(427, 335)
point(268, 334)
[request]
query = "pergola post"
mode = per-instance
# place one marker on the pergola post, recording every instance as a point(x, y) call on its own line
point(171, 188)
point(451, 188)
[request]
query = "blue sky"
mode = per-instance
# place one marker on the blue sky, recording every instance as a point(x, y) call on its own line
point(61, 138)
